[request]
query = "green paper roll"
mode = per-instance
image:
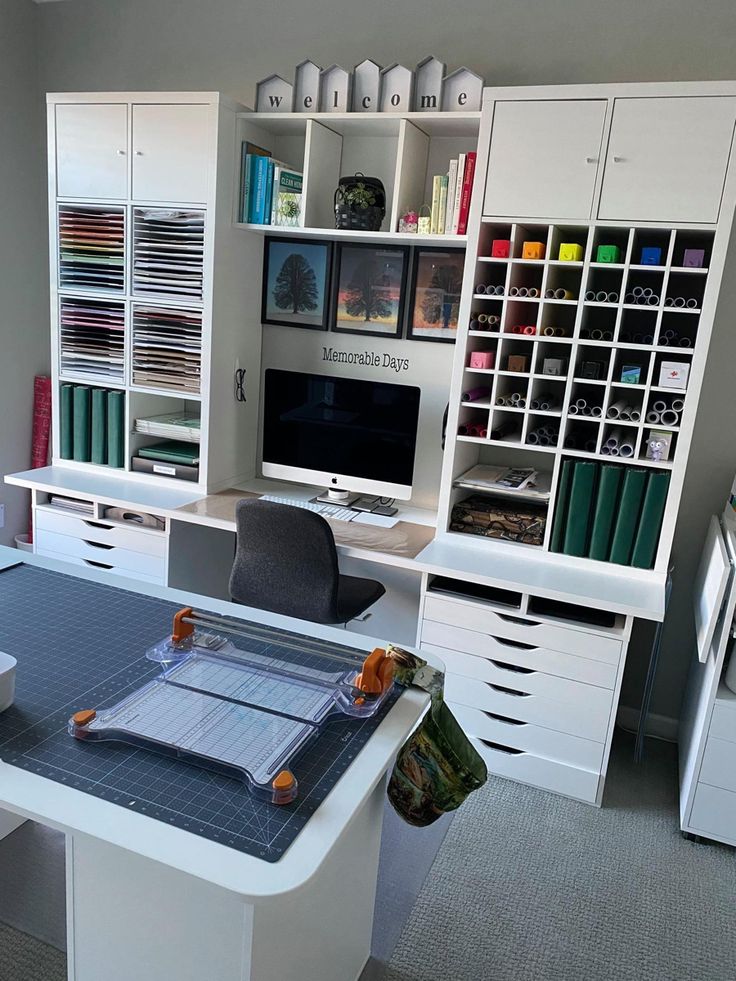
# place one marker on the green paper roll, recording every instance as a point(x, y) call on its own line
point(81, 430)
point(66, 422)
point(115, 429)
point(581, 506)
point(99, 426)
point(605, 509)
point(650, 522)
point(563, 499)
point(628, 516)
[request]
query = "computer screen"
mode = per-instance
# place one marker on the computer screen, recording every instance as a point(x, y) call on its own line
point(345, 433)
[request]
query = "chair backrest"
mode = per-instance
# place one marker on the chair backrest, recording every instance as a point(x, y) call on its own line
point(285, 561)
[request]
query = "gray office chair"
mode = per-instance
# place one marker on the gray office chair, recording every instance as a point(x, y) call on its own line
point(286, 562)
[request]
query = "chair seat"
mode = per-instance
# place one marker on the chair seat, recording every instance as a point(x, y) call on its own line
point(354, 595)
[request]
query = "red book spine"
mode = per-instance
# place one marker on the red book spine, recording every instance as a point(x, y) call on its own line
point(41, 428)
point(462, 225)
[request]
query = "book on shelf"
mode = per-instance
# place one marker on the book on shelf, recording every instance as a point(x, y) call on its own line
point(442, 210)
point(467, 190)
point(458, 193)
point(286, 207)
point(451, 185)
point(435, 207)
point(172, 451)
point(248, 152)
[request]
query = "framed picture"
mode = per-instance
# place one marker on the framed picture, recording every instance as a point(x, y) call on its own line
point(436, 283)
point(296, 282)
point(370, 289)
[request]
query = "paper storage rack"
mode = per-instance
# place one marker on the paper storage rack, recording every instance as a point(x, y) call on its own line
point(564, 356)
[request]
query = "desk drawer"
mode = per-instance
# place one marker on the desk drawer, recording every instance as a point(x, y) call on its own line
point(471, 642)
point(112, 555)
point(723, 723)
point(587, 718)
point(558, 746)
point(714, 813)
point(719, 764)
point(558, 777)
point(102, 532)
point(102, 567)
point(487, 621)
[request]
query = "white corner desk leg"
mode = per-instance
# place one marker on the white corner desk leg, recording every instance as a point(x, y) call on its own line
point(129, 917)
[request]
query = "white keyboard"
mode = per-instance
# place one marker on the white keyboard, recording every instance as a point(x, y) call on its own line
point(326, 510)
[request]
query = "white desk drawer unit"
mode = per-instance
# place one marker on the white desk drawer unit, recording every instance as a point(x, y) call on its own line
point(537, 697)
point(473, 646)
point(595, 646)
point(48, 542)
point(102, 532)
point(100, 566)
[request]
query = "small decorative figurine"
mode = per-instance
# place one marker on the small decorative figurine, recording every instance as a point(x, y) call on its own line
point(409, 222)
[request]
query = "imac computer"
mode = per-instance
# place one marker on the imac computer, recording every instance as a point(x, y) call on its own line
point(346, 434)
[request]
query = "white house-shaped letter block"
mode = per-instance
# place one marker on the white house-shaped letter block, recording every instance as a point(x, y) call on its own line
point(462, 91)
point(396, 89)
point(334, 90)
point(274, 94)
point(306, 87)
point(428, 85)
point(366, 86)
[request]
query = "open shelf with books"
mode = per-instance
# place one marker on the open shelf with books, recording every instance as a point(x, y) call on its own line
point(404, 151)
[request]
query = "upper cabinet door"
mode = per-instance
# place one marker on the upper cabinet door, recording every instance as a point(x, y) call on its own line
point(667, 159)
point(544, 158)
point(92, 151)
point(172, 151)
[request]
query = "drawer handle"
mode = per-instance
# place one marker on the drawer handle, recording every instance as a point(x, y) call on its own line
point(98, 524)
point(509, 691)
point(503, 749)
point(98, 545)
point(505, 719)
point(97, 565)
point(504, 642)
point(523, 623)
point(512, 667)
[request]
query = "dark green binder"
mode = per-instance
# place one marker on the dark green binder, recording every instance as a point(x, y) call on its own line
point(581, 506)
point(628, 516)
point(172, 451)
point(115, 429)
point(99, 426)
point(66, 422)
point(650, 522)
point(81, 431)
point(561, 505)
point(605, 509)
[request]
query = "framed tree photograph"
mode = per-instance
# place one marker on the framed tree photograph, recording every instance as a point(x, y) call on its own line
point(370, 289)
point(296, 282)
point(436, 283)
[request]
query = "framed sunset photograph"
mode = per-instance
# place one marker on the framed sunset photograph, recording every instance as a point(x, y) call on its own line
point(296, 282)
point(370, 290)
point(437, 280)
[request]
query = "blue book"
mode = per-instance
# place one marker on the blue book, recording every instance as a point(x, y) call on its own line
point(251, 182)
point(244, 183)
point(269, 193)
point(258, 190)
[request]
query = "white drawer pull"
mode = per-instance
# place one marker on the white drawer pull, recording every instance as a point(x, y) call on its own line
point(98, 545)
point(509, 691)
point(523, 623)
point(98, 524)
point(505, 719)
point(97, 565)
point(513, 643)
point(501, 665)
point(503, 749)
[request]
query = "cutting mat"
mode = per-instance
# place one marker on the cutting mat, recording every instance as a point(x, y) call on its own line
point(80, 645)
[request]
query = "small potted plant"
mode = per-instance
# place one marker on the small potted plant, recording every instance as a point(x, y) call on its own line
point(360, 203)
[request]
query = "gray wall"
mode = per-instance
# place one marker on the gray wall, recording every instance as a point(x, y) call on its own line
point(24, 319)
point(230, 44)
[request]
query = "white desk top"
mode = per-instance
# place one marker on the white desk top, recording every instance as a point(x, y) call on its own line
point(71, 810)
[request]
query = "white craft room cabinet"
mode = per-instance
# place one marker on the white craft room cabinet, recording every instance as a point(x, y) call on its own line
point(116, 160)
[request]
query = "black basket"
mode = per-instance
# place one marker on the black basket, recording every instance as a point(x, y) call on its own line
point(352, 217)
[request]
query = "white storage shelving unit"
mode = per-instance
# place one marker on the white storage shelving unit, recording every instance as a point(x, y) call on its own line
point(403, 150)
point(121, 154)
point(605, 175)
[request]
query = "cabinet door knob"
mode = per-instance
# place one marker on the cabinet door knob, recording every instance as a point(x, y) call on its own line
point(591, 160)
point(618, 160)
point(139, 153)
point(121, 153)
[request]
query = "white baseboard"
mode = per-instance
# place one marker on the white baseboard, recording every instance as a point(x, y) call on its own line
point(658, 726)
